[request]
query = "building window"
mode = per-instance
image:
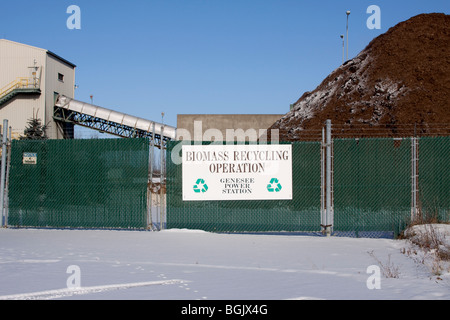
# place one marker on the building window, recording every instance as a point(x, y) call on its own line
point(61, 77)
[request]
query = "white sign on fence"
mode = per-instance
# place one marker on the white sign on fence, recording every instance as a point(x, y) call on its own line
point(29, 158)
point(237, 172)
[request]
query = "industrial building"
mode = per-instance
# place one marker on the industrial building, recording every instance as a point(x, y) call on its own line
point(30, 80)
point(37, 83)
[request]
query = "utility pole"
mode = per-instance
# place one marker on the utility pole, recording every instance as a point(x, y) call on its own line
point(348, 13)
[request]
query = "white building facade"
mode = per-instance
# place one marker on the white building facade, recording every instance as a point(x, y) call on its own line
point(30, 80)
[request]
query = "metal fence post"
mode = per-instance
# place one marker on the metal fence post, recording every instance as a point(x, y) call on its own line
point(328, 179)
point(161, 200)
point(323, 220)
point(3, 170)
point(8, 167)
point(414, 176)
point(150, 180)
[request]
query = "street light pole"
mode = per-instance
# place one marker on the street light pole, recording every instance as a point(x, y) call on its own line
point(343, 48)
point(348, 13)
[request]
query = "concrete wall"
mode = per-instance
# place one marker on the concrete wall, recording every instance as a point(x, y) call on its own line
point(224, 127)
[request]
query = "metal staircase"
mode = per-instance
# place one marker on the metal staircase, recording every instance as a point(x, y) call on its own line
point(19, 86)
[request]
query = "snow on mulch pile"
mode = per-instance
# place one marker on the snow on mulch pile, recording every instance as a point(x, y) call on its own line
point(398, 80)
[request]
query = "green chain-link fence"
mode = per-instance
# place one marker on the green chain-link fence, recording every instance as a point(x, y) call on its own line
point(372, 185)
point(433, 159)
point(300, 214)
point(372, 191)
point(103, 184)
point(79, 183)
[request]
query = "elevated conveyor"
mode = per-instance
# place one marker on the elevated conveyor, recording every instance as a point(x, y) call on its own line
point(109, 121)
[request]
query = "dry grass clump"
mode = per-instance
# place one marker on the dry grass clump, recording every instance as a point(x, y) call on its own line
point(389, 269)
point(430, 245)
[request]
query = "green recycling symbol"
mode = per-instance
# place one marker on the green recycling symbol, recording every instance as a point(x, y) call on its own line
point(200, 186)
point(274, 185)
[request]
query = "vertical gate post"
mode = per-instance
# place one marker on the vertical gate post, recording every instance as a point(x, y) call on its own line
point(150, 180)
point(161, 200)
point(414, 188)
point(3, 171)
point(328, 179)
point(323, 220)
point(8, 167)
point(151, 169)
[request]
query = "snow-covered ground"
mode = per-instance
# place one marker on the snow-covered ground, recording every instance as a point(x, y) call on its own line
point(191, 264)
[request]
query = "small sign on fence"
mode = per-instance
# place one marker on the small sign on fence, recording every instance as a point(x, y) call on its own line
point(237, 172)
point(29, 158)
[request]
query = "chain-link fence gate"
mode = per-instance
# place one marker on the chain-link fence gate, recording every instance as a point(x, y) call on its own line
point(372, 185)
point(433, 179)
point(79, 183)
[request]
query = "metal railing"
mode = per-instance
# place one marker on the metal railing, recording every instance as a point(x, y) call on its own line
point(20, 83)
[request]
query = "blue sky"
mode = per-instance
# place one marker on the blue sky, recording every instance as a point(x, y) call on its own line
point(201, 56)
